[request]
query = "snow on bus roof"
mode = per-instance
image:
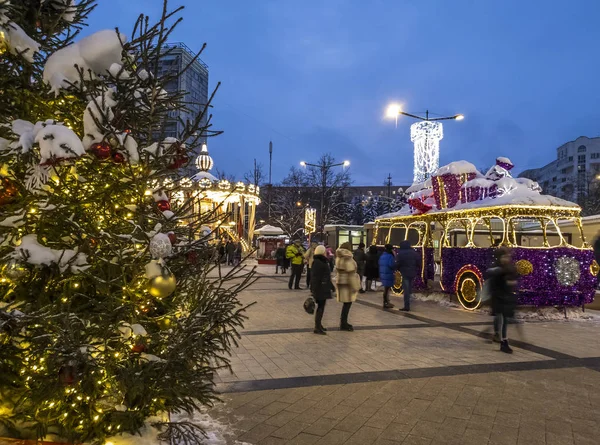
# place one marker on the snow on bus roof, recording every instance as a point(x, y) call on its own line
point(519, 197)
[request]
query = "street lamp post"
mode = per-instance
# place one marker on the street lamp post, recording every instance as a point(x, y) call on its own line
point(324, 167)
point(426, 135)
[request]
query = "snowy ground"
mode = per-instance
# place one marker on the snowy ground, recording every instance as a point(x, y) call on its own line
point(524, 313)
point(218, 433)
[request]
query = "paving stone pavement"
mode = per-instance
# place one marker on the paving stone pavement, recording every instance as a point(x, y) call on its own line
point(427, 377)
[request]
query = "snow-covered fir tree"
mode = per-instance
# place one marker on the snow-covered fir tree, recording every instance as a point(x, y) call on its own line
point(111, 317)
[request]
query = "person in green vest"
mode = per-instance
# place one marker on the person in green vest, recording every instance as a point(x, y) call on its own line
point(295, 253)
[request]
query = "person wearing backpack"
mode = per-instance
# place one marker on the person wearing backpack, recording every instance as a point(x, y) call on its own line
point(320, 286)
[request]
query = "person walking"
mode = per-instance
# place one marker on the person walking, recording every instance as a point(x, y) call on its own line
point(346, 282)
point(230, 249)
point(503, 280)
point(387, 268)
point(237, 255)
point(371, 267)
point(320, 286)
point(408, 262)
point(295, 253)
point(360, 257)
point(222, 255)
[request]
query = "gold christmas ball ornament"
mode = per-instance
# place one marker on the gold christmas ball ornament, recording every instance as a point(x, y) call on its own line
point(14, 270)
point(594, 268)
point(524, 267)
point(163, 285)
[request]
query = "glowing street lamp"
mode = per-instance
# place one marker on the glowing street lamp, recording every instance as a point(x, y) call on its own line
point(426, 136)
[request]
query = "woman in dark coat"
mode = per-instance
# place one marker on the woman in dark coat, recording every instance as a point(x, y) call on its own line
point(281, 262)
point(387, 270)
point(320, 286)
point(372, 267)
point(502, 278)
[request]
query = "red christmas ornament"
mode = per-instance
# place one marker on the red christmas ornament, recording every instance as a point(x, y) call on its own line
point(163, 205)
point(172, 237)
point(139, 347)
point(192, 257)
point(101, 150)
point(67, 375)
point(8, 191)
point(118, 158)
point(180, 157)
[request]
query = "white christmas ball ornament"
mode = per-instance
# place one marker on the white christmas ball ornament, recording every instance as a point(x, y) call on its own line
point(160, 246)
point(567, 270)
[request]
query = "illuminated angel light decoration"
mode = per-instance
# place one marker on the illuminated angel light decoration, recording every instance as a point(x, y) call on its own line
point(426, 135)
point(310, 220)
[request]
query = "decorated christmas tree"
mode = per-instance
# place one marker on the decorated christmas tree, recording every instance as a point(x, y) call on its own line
point(113, 312)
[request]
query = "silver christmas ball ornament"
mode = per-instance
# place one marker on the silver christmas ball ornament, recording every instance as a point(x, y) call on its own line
point(160, 246)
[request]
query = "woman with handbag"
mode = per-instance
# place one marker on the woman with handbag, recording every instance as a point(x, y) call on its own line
point(347, 282)
point(320, 285)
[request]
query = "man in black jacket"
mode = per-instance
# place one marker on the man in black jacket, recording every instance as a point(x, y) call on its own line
point(408, 262)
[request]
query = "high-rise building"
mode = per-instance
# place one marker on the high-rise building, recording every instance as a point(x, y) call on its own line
point(193, 83)
point(574, 171)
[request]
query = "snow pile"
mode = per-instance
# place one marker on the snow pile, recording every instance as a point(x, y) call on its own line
point(98, 111)
point(95, 54)
point(97, 119)
point(17, 40)
point(58, 142)
point(68, 8)
point(14, 221)
point(32, 252)
point(54, 139)
point(437, 297)
point(554, 314)
point(218, 433)
point(456, 168)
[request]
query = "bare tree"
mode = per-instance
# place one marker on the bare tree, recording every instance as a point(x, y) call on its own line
point(256, 175)
point(220, 174)
point(328, 188)
point(289, 203)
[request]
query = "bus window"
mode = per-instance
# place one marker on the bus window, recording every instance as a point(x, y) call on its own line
point(571, 231)
point(533, 232)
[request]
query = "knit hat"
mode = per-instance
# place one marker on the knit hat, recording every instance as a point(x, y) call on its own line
point(320, 250)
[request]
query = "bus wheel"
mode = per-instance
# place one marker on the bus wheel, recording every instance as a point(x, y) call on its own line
point(468, 289)
point(397, 287)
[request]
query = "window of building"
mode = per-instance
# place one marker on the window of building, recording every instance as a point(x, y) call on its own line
point(570, 158)
point(581, 149)
point(581, 168)
point(564, 180)
point(554, 179)
point(595, 156)
point(581, 159)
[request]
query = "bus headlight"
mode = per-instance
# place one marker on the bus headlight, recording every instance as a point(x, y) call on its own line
point(567, 270)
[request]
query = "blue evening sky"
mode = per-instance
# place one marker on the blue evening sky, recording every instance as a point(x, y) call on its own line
point(315, 76)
